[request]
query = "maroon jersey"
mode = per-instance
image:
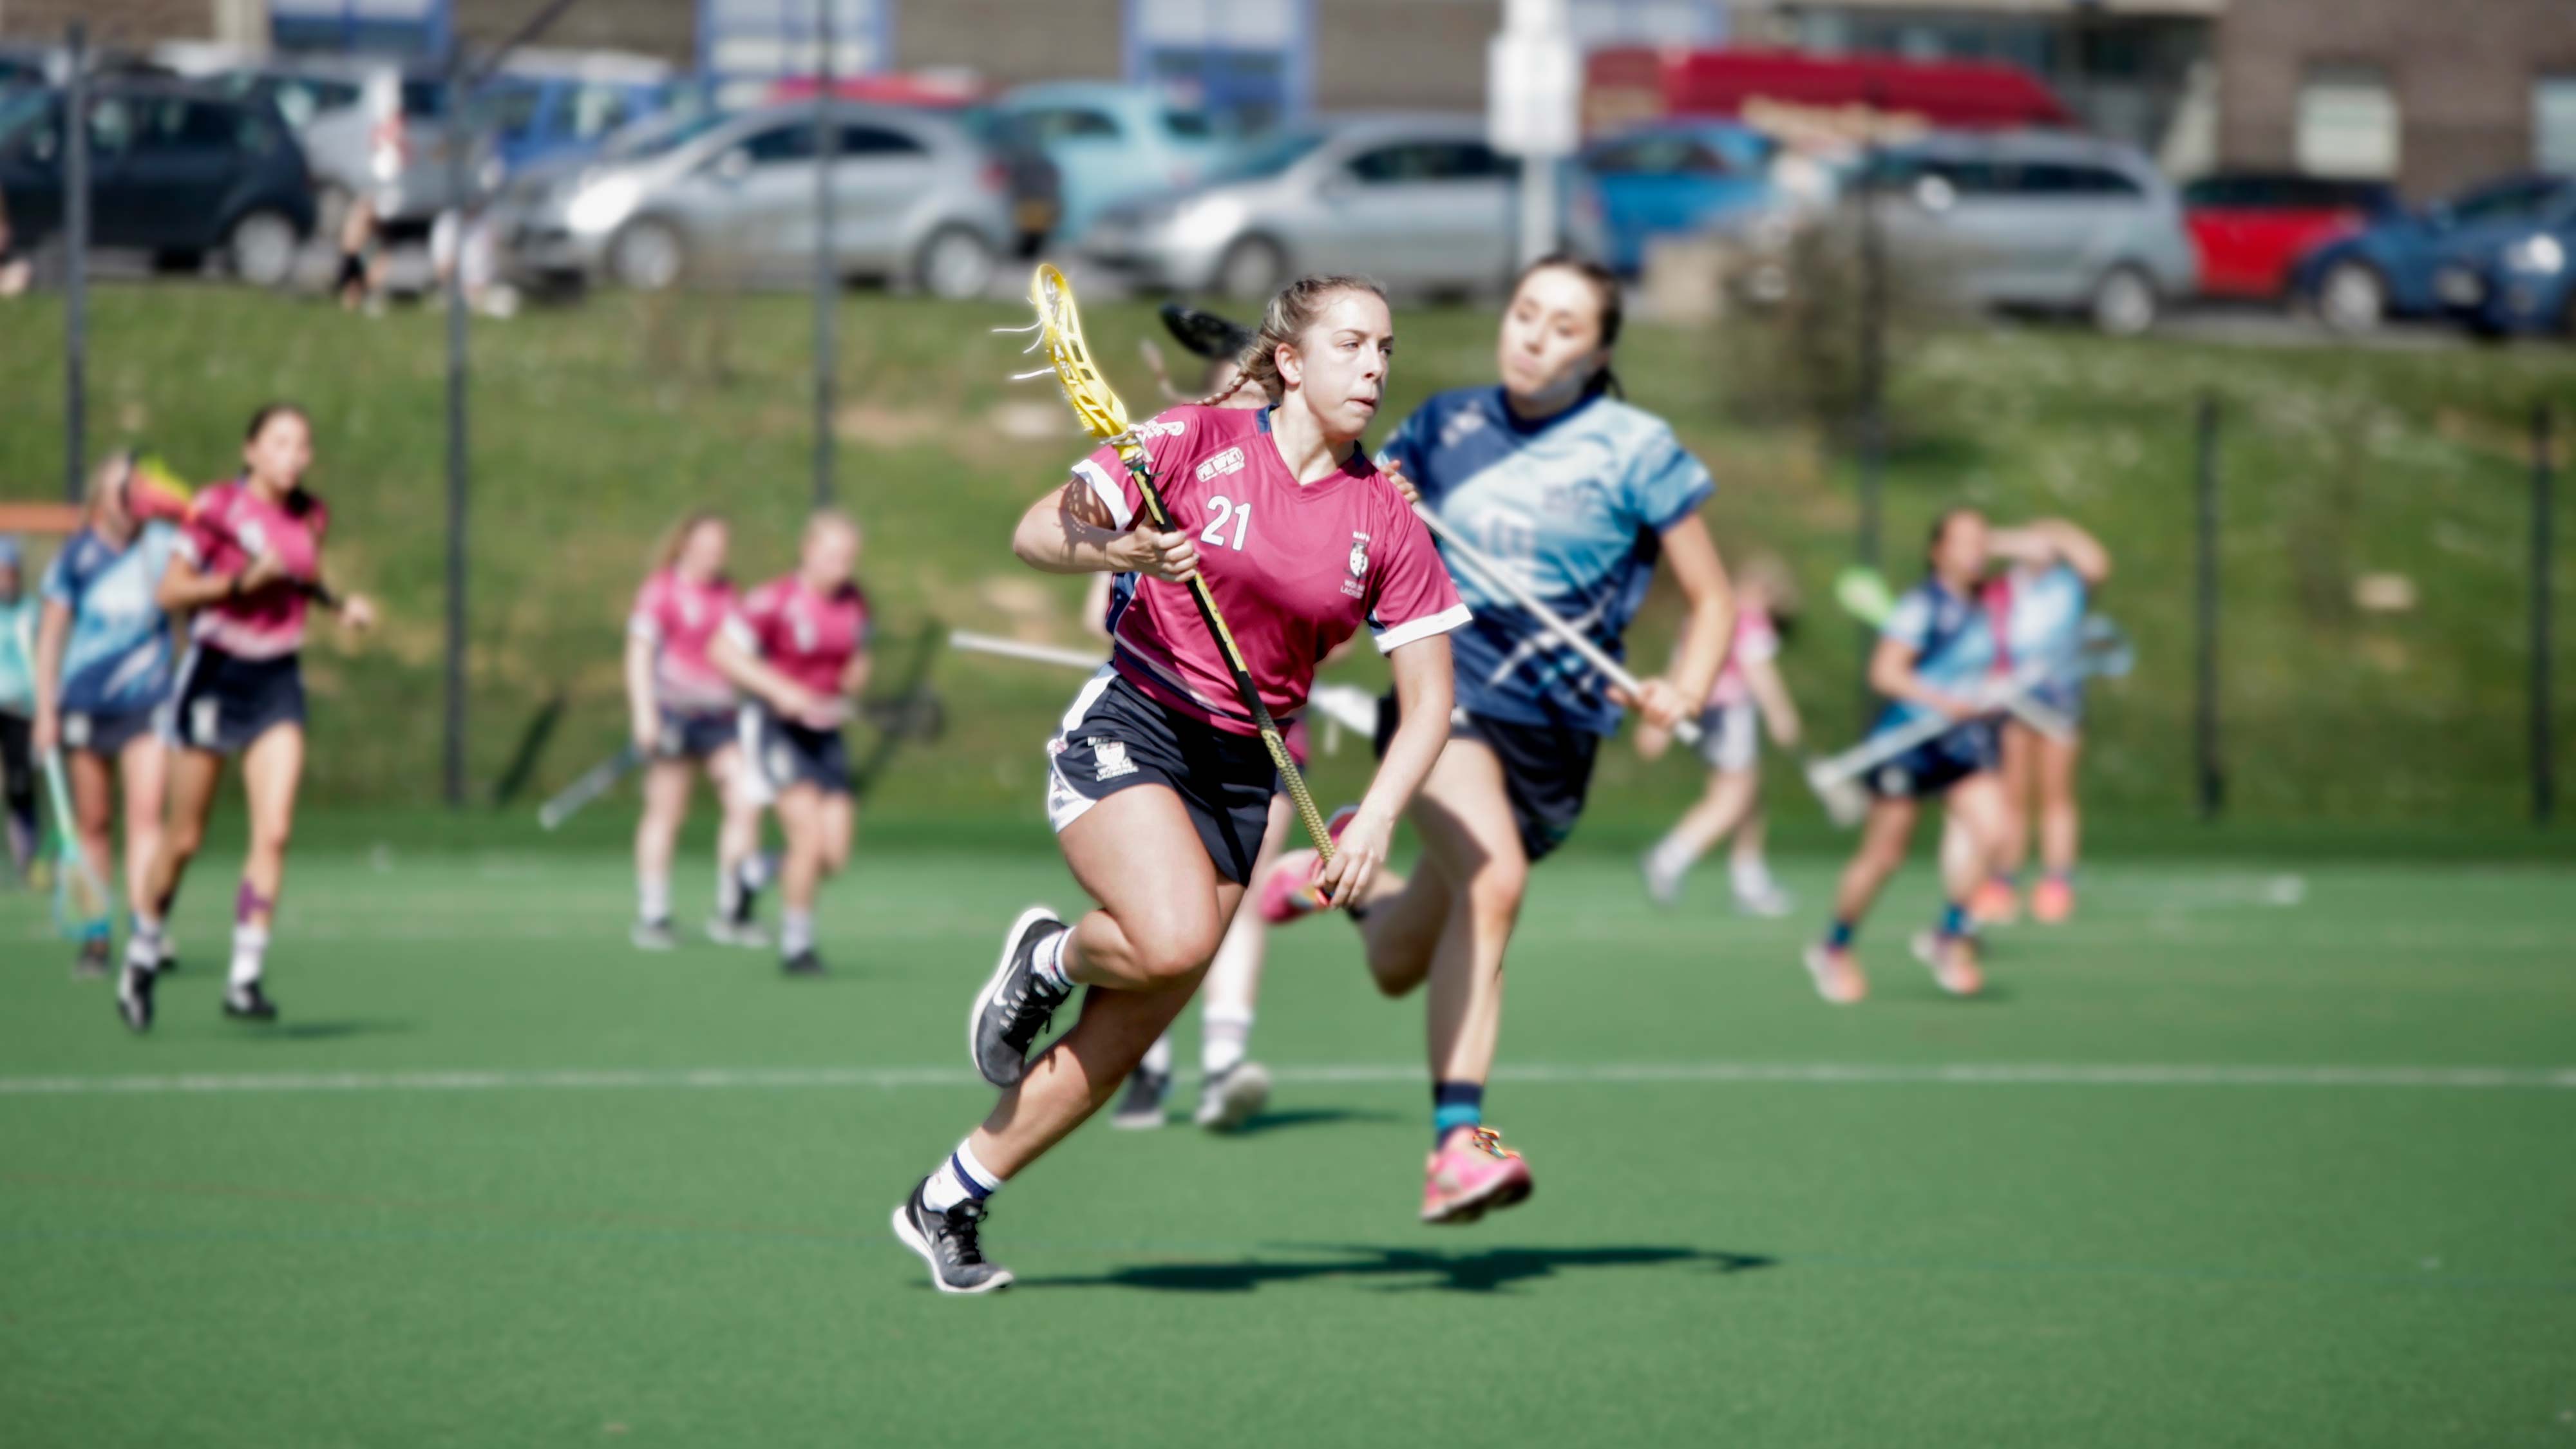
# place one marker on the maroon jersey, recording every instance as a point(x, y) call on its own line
point(229, 525)
point(678, 619)
point(1295, 568)
point(809, 637)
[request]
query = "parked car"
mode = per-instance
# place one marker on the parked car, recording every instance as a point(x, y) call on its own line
point(176, 169)
point(2039, 220)
point(2249, 228)
point(1037, 189)
point(1111, 143)
point(2523, 282)
point(2388, 270)
point(916, 199)
point(1680, 178)
point(1421, 203)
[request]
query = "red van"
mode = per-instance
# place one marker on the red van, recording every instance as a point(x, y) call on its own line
point(2251, 227)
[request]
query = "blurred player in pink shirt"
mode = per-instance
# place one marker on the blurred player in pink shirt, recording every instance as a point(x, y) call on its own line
point(1748, 699)
point(248, 568)
point(682, 717)
point(798, 645)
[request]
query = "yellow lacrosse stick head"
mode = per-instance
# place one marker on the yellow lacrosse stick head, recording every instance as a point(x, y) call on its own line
point(1060, 333)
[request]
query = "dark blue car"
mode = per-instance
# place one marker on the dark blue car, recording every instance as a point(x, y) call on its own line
point(2524, 283)
point(2394, 269)
point(1680, 178)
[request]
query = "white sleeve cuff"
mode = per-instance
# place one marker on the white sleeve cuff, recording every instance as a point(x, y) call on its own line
point(1390, 640)
point(642, 627)
point(186, 548)
point(739, 633)
point(1106, 489)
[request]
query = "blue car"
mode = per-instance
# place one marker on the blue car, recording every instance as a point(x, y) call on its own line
point(2393, 269)
point(2525, 283)
point(1111, 143)
point(1682, 178)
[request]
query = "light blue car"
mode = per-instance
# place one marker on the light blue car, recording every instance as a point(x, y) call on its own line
point(1111, 143)
point(1680, 178)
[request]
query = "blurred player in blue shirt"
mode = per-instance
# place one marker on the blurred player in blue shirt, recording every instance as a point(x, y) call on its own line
point(2039, 604)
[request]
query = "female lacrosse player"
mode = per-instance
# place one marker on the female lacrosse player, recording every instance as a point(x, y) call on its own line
point(682, 714)
point(1159, 788)
point(1748, 698)
point(17, 706)
point(248, 563)
point(103, 655)
point(1578, 493)
point(798, 645)
point(2038, 604)
point(1936, 650)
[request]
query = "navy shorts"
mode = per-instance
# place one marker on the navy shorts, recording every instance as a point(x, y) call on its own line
point(693, 735)
point(1547, 770)
point(107, 735)
point(223, 703)
point(1937, 764)
point(785, 753)
point(1115, 736)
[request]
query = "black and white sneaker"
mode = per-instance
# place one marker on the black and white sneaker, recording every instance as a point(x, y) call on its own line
point(653, 936)
point(1014, 1007)
point(248, 1003)
point(803, 963)
point(737, 930)
point(134, 997)
point(950, 1242)
point(1233, 1097)
point(95, 960)
point(1140, 1107)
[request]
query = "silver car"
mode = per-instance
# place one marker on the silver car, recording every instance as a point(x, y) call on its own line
point(1421, 203)
point(916, 199)
point(2037, 220)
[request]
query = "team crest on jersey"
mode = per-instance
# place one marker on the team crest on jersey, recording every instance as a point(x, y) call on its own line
point(1229, 461)
point(1110, 759)
point(1465, 423)
point(1158, 428)
point(1359, 564)
point(254, 539)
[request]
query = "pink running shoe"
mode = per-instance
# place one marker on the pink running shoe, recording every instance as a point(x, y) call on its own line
point(1288, 892)
point(1471, 1174)
point(1837, 974)
point(1995, 904)
point(1953, 960)
point(2052, 901)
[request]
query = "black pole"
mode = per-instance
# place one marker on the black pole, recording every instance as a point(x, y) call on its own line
point(76, 265)
point(459, 139)
point(2544, 782)
point(2213, 778)
point(827, 278)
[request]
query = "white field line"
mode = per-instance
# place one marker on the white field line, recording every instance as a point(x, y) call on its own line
point(2022, 1074)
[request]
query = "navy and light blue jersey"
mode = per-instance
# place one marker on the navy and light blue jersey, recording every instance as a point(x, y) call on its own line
point(2044, 619)
point(1953, 640)
point(18, 656)
point(1574, 508)
point(118, 658)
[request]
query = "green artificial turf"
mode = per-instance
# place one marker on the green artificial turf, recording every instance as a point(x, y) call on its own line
point(496, 1179)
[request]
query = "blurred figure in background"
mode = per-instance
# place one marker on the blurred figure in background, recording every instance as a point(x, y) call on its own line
point(17, 705)
point(15, 272)
point(467, 244)
point(361, 279)
point(1748, 698)
point(103, 666)
point(798, 645)
point(683, 718)
point(2038, 603)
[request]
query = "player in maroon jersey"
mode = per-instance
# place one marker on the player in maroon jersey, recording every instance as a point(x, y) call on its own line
point(1159, 786)
point(798, 645)
point(249, 566)
point(684, 716)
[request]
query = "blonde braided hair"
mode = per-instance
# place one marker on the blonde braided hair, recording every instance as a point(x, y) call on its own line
point(1296, 308)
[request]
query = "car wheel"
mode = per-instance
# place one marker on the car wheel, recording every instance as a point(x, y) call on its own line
point(2124, 303)
point(648, 256)
point(955, 265)
point(2351, 297)
point(1252, 270)
point(262, 249)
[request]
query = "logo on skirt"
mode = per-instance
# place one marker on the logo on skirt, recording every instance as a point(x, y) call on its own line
point(1110, 759)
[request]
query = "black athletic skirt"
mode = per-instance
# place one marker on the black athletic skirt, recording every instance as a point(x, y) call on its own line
point(1115, 736)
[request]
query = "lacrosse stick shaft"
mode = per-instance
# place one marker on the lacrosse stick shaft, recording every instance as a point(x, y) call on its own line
point(1685, 730)
point(596, 781)
point(971, 642)
point(1871, 753)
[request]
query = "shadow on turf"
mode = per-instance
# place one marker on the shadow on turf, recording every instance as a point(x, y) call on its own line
point(1485, 1271)
point(1311, 1117)
point(301, 1031)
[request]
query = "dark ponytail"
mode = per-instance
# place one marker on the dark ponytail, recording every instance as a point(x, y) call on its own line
point(1610, 310)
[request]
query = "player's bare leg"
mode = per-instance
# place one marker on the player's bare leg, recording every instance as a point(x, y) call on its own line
point(738, 877)
point(1727, 801)
point(1976, 812)
point(657, 834)
point(272, 770)
point(144, 766)
point(1748, 864)
point(818, 835)
point(194, 774)
point(1996, 899)
point(2061, 826)
point(1883, 840)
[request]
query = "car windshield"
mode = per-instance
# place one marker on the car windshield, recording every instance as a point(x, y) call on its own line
point(1266, 158)
point(660, 137)
point(2504, 202)
point(20, 111)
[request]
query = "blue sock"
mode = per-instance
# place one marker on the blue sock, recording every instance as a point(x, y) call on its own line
point(1840, 937)
point(1455, 1105)
point(1954, 920)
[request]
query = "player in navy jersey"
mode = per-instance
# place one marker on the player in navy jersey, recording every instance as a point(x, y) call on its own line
point(1159, 787)
point(1935, 652)
point(103, 659)
point(1580, 495)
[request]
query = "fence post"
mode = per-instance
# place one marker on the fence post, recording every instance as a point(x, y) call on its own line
point(2212, 775)
point(827, 275)
point(76, 265)
point(2544, 783)
point(459, 473)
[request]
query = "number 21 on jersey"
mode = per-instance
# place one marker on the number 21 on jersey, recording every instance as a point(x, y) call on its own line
point(1226, 511)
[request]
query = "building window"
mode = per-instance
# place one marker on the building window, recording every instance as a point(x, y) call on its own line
point(755, 41)
point(400, 27)
point(1247, 62)
point(2553, 123)
point(2348, 123)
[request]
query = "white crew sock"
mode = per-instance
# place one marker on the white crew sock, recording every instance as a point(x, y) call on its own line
point(1674, 857)
point(250, 945)
point(1752, 876)
point(1223, 1036)
point(1158, 1057)
point(143, 946)
point(796, 931)
point(728, 888)
point(653, 897)
point(1048, 960)
point(958, 1179)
